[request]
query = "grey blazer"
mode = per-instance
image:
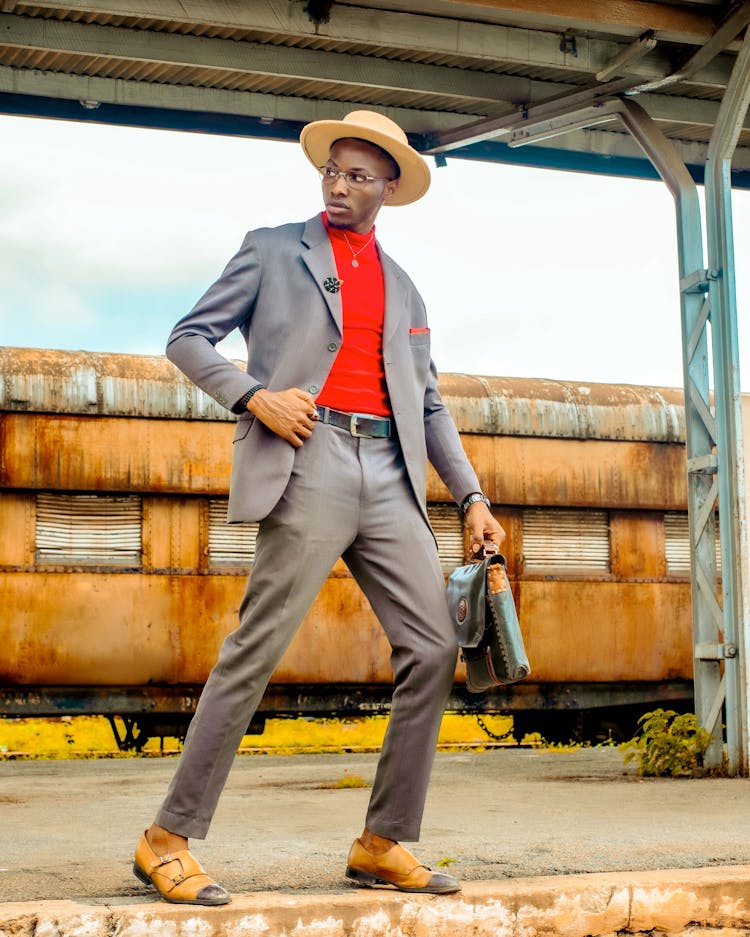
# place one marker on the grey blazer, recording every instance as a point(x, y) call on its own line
point(272, 291)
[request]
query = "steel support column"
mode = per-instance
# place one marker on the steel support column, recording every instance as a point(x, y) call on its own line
point(713, 428)
point(700, 425)
point(724, 342)
point(715, 473)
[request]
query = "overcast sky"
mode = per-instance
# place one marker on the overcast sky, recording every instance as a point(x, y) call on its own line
point(108, 235)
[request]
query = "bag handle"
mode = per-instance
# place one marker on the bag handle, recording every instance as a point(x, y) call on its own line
point(488, 548)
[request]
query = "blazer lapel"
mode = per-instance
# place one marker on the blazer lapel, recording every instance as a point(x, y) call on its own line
point(395, 297)
point(319, 261)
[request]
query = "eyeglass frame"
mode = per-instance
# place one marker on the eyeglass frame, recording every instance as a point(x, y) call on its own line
point(329, 175)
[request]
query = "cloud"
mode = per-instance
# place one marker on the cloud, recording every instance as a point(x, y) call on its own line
point(43, 314)
point(524, 272)
point(119, 203)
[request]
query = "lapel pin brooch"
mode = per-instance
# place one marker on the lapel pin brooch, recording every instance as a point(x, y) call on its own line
point(332, 284)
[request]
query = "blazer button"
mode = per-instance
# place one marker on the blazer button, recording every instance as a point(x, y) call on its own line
point(332, 346)
point(313, 389)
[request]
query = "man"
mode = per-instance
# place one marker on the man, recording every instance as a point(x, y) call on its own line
point(339, 413)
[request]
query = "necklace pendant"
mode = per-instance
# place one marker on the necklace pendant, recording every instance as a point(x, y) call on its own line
point(355, 262)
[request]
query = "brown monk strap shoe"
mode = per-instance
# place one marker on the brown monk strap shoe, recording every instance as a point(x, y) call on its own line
point(177, 876)
point(397, 867)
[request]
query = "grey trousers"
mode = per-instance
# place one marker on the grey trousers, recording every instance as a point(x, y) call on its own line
point(348, 497)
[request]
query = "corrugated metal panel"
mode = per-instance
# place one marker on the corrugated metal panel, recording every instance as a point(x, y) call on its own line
point(677, 544)
point(564, 409)
point(37, 380)
point(447, 524)
point(304, 40)
point(106, 66)
point(566, 540)
point(229, 544)
point(91, 528)
point(51, 381)
point(454, 46)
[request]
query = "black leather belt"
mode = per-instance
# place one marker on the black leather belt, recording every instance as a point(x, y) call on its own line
point(358, 424)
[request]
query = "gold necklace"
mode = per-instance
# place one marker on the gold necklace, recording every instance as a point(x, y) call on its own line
point(355, 254)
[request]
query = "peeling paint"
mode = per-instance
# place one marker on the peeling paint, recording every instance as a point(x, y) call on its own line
point(196, 927)
point(682, 903)
point(328, 927)
point(733, 908)
point(376, 925)
point(143, 926)
point(88, 925)
point(446, 919)
point(593, 910)
point(253, 925)
point(667, 908)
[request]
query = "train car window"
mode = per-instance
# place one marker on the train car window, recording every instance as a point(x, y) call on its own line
point(677, 544)
point(447, 525)
point(234, 544)
point(96, 529)
point(562, 540)
point(229, 544)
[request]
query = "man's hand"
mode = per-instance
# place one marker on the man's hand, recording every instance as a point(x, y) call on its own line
point(290, 413)
point(483, 526)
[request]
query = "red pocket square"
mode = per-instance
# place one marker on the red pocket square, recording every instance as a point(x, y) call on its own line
point(417, 331)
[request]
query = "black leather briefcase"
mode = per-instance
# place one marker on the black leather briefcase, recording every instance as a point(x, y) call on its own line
point(484, 615)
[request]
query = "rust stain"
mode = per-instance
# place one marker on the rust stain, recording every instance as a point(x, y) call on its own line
point(132, 630)
point(117, 423)
point(89, 383)
point(71, 453)
point(517, 470)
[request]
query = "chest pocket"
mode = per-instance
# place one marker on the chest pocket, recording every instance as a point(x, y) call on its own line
point(419, 346)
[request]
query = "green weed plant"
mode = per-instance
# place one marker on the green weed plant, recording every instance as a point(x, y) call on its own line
point(668, 744)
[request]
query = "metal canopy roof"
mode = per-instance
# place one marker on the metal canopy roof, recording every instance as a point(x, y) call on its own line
point(461, 76)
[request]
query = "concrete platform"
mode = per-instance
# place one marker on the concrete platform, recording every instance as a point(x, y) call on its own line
point(546, 843)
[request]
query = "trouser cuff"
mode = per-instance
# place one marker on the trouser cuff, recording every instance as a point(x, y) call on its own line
point(182, 825)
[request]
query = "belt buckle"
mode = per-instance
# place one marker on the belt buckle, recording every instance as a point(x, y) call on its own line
point(353, 427)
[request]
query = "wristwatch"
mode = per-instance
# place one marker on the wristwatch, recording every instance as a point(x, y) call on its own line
point(472, 499)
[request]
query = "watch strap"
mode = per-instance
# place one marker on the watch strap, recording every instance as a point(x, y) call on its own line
point(472, 499)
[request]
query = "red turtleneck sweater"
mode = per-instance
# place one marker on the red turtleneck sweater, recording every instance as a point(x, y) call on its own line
point(356, 383)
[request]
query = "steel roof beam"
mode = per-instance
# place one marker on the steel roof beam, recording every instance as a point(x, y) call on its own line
point(36, 82)
point(414, 33)
point(267, 107)
point(732, 25)
point(609, 16)
point(483, 130)
point(260, 59)
point(674, 24)
point(607, 143)
point(535, 131)
point(560, 106)
point(624, 61)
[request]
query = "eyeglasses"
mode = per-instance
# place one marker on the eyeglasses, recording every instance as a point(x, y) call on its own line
point(355, 179)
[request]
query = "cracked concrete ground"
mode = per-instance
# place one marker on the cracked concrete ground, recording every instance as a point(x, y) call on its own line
point(68, 829)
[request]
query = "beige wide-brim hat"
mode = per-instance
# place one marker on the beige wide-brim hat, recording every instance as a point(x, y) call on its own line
point(318, 137)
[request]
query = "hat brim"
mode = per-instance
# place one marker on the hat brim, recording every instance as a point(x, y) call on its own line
point(318, 137)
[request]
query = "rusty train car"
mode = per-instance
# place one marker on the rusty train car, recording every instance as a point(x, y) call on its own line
point(119, 576)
